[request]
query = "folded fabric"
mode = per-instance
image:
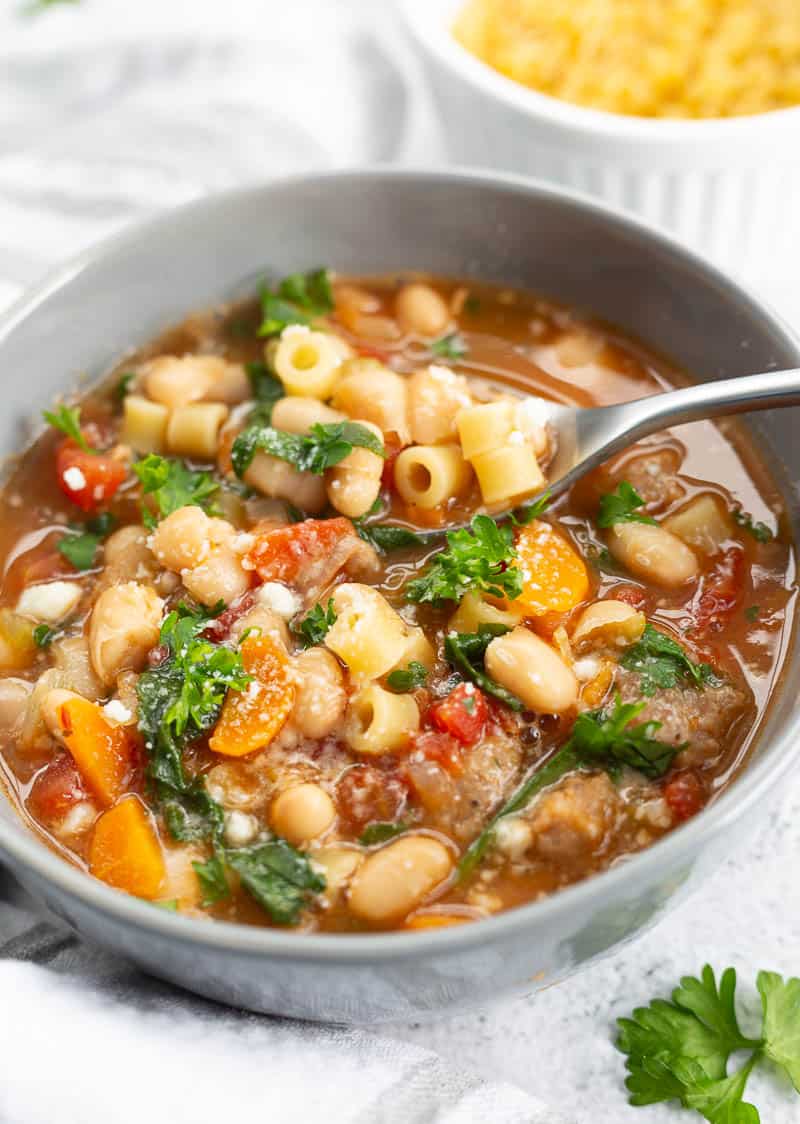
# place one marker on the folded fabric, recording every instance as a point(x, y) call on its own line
point(86, 1037)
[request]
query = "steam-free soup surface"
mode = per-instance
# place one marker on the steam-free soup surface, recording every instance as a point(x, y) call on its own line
point(246, 673)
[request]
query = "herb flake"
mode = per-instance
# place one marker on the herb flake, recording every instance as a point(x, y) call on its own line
point(622, 506)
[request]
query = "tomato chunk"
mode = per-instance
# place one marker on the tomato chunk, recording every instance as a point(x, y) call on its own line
point(57, 788)
point(684, 794)
point(88, 479)
point(441, 748)
point(720, 592)
point(462, 714)
point(366, 794)
point(283, 553)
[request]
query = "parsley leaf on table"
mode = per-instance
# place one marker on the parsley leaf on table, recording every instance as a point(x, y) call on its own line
point(466, 652)
point(408, 678)
point(662, 663)
point(280, 878)
point(67, 420)
point(299, 299)
point(315, 624)
point(321, 449)
point(479, 558)
point(622, 506)
point(451, 346)
point(680, 1049)
point(172, 485)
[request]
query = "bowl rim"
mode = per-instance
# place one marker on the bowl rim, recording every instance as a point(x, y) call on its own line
point(21, 847)
point(422, 18)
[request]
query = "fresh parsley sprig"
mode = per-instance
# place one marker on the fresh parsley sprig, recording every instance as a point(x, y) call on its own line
point(759, 531)
point(680, 1049)
point(662, 663)
point(315, 624)
point(451, 346)
point(300, 298)
point(479, 558)
point(180, 699)
point(67, 420)
point(81, 542)
point(267, 390)
point(410, 678)
point(622, 506)
point(601, 739)
point(321, 449)
point(466, 651)
point(172, 486)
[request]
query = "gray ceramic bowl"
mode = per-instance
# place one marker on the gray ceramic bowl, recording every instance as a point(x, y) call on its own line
point(457, 223)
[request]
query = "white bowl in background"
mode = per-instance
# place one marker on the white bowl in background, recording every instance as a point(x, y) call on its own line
point(729, 188)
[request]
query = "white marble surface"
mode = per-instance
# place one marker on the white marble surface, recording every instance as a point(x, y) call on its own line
point(109, 110)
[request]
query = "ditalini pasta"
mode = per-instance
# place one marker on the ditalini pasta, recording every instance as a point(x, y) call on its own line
point(290, 634)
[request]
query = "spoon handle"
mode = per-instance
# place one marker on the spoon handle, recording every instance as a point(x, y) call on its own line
point(710, 400)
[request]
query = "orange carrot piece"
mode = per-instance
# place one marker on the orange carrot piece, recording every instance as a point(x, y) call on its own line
point(251, 718)
point(125, 851)
point(103, 752)
point(554, 576)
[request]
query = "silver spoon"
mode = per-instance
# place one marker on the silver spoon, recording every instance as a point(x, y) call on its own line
point(588, 436)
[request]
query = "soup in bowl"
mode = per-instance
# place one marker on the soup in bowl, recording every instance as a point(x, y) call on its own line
point(312, 700)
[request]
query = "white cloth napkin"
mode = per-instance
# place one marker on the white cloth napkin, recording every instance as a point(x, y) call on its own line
point(110, 110)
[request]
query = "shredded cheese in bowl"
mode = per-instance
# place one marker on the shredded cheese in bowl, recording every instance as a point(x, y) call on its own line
point(646, 58)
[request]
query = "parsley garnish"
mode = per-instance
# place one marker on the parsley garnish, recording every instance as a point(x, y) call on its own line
point(321, 449)
point(79, 545)
point(211, 876)
point(528, 512)
point(408, 678)
point(381, 833)
point(621, 507)
point(280, 878)
point(480, 558)
point(466, 651)
point(386, 538)
point(172, 485)
point(599, 738)
point(267, 389)
point(44, 635)
point(452, 346)
point(298, 299)
point(67, 419)
point(752, 612)
point(180, 699)
point(759, 531)
point(314, 626)
point(662, 663)
point(122, 388)
point(680, 1049)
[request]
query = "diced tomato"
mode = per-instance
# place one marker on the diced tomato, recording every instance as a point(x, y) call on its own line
point(283, 553)
point(392, 450)
point(441, 748)
point(684, 794)
point(463, 713)
point(365, 793)
point(219, 628)
point(632, 595)
point(720, 591)
point(88, 479)
point(56, 789)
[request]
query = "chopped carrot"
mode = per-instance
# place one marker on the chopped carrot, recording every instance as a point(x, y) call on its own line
point(125, 851)
point(434, 920)
point(251, 718)
point(554, 576)
point(103, 752)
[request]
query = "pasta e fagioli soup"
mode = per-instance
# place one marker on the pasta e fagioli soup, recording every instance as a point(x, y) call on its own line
point(291, 633)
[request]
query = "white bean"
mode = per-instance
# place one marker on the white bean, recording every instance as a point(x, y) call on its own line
point(654, 554)
point(533, 671)
point(123, 627)
point(302, 812)
point(397, 878)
